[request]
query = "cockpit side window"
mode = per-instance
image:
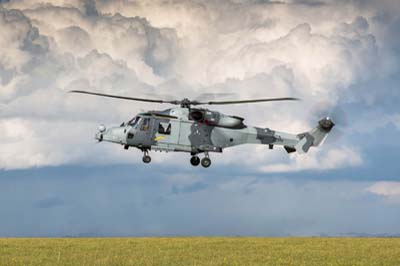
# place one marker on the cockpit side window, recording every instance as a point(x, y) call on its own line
point(134, 121)
point(164, 128)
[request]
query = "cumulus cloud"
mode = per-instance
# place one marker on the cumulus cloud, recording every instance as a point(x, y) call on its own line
point(388, 190)
point(318, 160)
point(180, 48)
point(31, 143)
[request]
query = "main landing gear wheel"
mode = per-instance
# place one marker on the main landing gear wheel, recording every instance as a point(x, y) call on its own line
point(205, 162)
point(195, 160)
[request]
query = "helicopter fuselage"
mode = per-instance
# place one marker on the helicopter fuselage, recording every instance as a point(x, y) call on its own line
point(192, 130)
point(200, 130)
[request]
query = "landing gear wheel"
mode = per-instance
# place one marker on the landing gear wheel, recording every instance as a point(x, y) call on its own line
point(205, 162)
point(146, 159)
point(195, 160)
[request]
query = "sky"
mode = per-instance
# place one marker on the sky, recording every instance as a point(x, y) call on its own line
point(341, 57)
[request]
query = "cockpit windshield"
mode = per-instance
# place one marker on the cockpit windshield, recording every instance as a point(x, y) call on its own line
point(134, 121)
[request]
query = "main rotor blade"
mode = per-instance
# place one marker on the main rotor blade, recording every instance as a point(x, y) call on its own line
point(203, 97)
point(185, 101)
point(248, 101)
point(123, 97)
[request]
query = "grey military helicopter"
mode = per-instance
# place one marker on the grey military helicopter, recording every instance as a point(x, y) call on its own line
point(197, 130)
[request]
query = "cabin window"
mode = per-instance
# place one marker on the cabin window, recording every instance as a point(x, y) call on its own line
point(164, 128)
point(145, 124)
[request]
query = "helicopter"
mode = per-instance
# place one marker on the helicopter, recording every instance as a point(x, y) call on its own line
point(192, 129)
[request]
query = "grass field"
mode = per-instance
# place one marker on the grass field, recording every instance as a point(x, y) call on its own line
point(200, 251)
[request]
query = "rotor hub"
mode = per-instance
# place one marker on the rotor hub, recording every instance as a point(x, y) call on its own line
point(185, 103)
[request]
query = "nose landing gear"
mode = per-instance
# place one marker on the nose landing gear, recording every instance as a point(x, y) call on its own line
point(146, 158)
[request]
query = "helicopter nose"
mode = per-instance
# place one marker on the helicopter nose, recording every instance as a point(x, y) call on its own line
point(102, 130)
point(111, 134)
point(99, 136)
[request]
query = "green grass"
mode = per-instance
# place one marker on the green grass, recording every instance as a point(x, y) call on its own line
point(200, 251)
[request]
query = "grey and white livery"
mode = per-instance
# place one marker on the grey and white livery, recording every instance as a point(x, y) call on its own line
point(201, 131)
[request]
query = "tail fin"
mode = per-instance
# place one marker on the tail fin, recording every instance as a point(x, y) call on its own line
point(316, 136)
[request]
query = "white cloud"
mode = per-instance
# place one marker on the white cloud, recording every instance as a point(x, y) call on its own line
point(180, 48)
point(35, 143)
point(389, 190)
point(322, 159)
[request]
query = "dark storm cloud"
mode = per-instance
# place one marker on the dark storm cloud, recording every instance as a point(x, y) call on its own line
point(131, 201)
point(49, 203)
point(252, 48)
point(90, 8)
point(195, 187)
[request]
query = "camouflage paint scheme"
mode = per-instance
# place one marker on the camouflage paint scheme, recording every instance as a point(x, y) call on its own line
point(213, 133)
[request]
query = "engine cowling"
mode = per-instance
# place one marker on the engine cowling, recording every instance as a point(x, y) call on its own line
point(214, 118)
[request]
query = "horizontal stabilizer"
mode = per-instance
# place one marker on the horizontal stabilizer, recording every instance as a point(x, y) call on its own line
point(289, 149)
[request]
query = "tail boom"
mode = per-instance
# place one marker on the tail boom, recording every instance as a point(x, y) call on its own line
point(304, 141)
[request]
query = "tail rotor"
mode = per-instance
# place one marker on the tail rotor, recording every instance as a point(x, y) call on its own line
point(333, 113)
